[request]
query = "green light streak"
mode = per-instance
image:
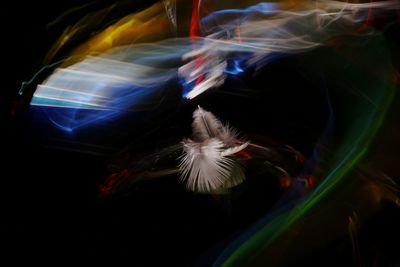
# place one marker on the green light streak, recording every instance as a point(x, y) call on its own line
point(355, 150)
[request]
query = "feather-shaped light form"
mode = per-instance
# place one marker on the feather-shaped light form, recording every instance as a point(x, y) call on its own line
point(208, 163)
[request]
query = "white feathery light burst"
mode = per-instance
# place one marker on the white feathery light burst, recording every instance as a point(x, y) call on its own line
point(208, 163)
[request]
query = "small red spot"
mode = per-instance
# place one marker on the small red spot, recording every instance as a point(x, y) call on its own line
point(309, 181)
point(245, 155)
point(285, 182)
point(109, 184)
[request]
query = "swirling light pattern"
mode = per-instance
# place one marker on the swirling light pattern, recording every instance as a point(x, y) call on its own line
point(235, 40)
point(134, 63)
